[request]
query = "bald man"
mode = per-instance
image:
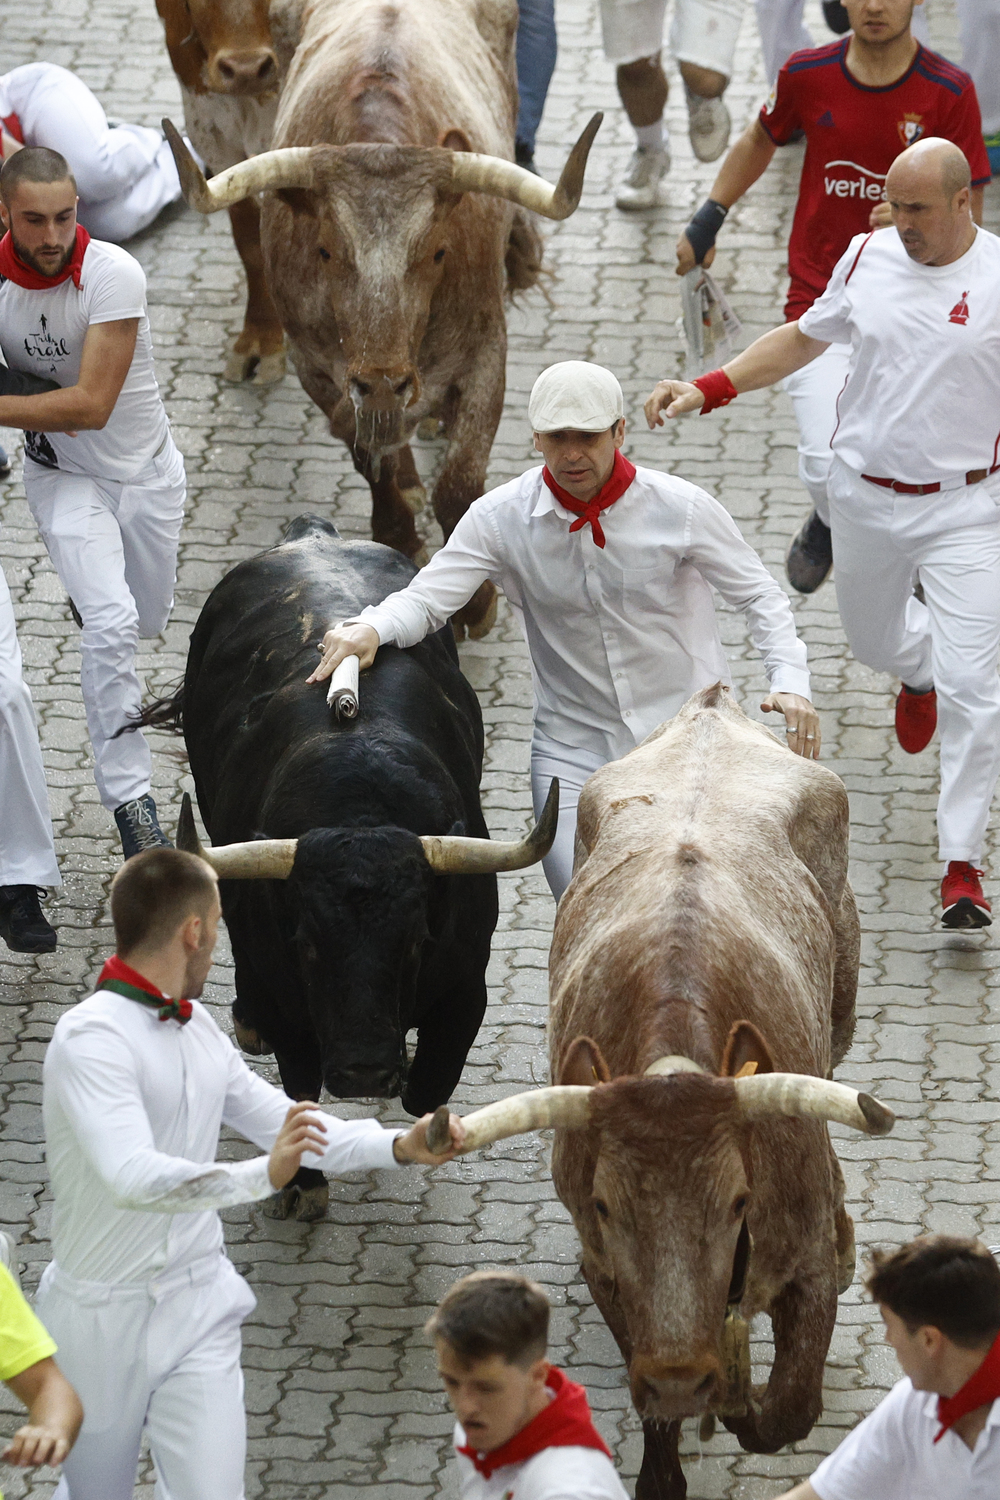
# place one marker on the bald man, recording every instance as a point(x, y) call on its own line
point(915, 481)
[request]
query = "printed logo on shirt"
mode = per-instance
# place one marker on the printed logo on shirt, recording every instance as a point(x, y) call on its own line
point(826, 119)
point(38, 447)
point(44, 345)
point(910, 129)
point(866, 184)
point(771, 100)
point(960, 312)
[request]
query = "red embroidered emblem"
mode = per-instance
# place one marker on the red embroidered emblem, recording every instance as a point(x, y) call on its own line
point(960, 312)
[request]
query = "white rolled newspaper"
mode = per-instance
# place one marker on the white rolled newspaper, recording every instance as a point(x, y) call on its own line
point(342, 694)
point(708, 323)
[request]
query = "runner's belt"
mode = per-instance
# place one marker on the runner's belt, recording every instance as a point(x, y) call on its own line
point(974, 476)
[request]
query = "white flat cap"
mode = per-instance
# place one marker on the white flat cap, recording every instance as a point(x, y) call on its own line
point(576, 396)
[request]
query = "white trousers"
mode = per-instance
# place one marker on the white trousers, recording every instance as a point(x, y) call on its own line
point(27, 853)
point(703, 32)
point(160, 1357)
point(814, 390)
point(979, 24)
point(573, 767)
point(783, 32)
point(114, 547)
point(124, 175)
point(882, 544)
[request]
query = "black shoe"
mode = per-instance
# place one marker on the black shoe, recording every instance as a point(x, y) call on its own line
point(77, 621)
point(810, 557)
point(138, 827)
point(836, 17)
point(22, 925)
point(4, 464)
point(524, 155)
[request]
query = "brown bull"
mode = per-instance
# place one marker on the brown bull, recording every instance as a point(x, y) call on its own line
point(227, 67)
point(703, 970)
point(394, 228)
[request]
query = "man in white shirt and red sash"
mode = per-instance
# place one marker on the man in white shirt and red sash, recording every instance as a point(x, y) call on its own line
point(523, 1430)
point(936, 1436)
point(610, 571)
point(140, 1296)
point(102, 476)
point(915, 481)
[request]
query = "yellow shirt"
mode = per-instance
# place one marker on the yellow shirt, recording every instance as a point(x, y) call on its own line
point(24, 1340)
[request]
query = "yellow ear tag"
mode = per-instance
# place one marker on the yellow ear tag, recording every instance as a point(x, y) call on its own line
point(747, 1071)
point(595, 1073)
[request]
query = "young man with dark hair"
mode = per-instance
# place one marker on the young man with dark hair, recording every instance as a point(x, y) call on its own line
point(102, 476)
point(523, 1429)
point(936, 1436)
point(140, 1296)
point(859, 102)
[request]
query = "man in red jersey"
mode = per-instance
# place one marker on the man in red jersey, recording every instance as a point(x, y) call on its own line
point(860, 102)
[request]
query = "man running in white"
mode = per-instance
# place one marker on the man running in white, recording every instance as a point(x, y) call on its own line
point(610, 571)
point(915, 480)
point(140, 1297)
point(102, 476)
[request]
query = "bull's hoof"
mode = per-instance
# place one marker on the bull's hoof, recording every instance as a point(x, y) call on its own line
point(486, 624)
point(478, 616)
point(240, 365)
point(414, 498)
point(249, 1041)
point(421, 558)
point(430, 430)
point(304, 1204)
point(246, 365)
point(847, 1260)
point(270, 370)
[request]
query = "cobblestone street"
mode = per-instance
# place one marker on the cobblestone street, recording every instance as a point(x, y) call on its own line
point(341, 1387)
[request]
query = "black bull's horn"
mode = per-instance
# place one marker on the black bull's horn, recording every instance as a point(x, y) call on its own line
point(460, 171)
point(447, 854)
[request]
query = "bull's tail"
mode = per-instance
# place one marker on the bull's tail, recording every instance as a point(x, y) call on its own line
point(523, 259)
point(161, 713)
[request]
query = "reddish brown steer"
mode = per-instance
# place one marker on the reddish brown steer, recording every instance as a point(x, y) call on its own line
point(227, 67)
point(703, 969)
point(394, 227)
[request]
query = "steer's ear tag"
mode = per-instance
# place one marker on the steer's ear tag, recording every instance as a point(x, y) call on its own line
point(747, 1071)
point(594, 1074)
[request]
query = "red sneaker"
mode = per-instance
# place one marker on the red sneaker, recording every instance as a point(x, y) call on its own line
point(962, 897)
point(916, 719)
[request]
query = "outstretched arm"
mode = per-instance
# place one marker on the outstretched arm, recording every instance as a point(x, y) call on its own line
point(769, 359)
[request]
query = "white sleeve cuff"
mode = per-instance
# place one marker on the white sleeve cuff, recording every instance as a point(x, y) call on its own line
point(791, 680)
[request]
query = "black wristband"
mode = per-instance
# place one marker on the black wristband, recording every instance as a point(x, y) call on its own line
point(704, 227)
point(13, 383)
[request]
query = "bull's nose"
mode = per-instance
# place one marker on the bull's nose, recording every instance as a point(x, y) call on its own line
point(383, 390)
point(660, 1388)
point(247, 70)
point(363, 1081)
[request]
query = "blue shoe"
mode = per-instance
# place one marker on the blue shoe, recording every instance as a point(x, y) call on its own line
point(139, 828)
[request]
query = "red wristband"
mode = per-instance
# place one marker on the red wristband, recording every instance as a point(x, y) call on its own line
point(717, 389)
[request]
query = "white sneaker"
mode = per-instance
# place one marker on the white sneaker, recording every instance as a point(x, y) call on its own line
point(641, 183)
point(708, 126)
point(9, 1256)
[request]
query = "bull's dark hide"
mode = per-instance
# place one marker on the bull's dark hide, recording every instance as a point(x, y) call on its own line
point(362, 943)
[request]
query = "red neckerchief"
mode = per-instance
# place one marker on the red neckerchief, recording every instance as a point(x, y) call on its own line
point(565, 1423)
point(14, 269)
point(621, 476)
point(982, 1387)
point(12, 125)
point(117, 976)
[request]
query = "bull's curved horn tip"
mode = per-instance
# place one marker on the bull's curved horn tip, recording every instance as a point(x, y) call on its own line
point(543, 834)
point(439, 1131)
point(879, 1117)
point(187, 835)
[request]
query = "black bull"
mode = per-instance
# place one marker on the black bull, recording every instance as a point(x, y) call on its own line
point(363, 942)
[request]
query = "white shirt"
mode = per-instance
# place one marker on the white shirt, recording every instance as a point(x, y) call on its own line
point(42, 333)
point(620, 636)
point(922, 398)
point(132, 1107)
point(892, 1455)
point(552, 1474)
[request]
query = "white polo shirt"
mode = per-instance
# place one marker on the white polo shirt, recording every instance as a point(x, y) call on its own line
point(892, 1455)
point(922, 398)
point(42, 333)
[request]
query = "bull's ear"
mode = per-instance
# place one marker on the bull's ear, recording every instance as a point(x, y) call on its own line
point(300, 201)
point(746, 1053)
point(584, 1064)
point(454, 140)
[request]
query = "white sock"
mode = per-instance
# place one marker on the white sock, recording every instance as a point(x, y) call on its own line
point(653, 137)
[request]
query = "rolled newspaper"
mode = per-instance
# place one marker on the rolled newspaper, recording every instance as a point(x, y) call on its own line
point(342, 695)
point(708, 323)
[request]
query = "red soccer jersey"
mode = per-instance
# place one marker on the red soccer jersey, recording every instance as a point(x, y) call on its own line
point(853, 134)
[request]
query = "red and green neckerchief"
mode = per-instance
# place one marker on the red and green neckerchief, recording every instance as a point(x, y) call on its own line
point(117, 976)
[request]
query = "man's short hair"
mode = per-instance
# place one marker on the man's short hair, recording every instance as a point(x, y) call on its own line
point(154, 893)
point(493, 1312)
point(942, 1281)
point(33, 164)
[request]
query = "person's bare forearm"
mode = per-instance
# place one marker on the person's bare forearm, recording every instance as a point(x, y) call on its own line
point(747, 160)
point(72, 409)
point(54, 1416)
point(770, 358)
